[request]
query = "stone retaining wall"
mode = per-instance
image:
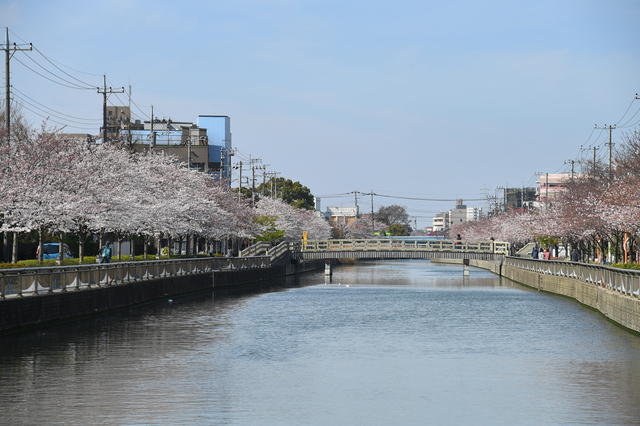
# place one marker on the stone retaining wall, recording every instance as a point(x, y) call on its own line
point(622, 309)
point(619, 308)
point(34, 310)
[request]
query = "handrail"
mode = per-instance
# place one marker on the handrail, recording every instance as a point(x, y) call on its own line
point(406, 245)
point(257, 249)
point(625, 281)
point(32, 281)
point(285, 248)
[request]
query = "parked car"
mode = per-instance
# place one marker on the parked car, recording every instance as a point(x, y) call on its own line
point(51, 251)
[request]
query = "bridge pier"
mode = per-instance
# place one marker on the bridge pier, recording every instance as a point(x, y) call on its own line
point(327, 267)
point(465, 271)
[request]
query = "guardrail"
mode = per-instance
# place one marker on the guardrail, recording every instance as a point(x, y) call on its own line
point(32, 281)
point(285, 251)
point(625, 281)
point(258, 249)
point(408, 245)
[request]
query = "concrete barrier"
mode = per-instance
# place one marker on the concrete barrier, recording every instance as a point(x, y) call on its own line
point(617, 302)
point(35, 309)
point(620, 308)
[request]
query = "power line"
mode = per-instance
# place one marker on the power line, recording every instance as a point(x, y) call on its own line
point(53, 81)
point(90, 86)
point(94, 120)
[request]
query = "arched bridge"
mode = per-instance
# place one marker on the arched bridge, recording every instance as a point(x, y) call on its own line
point(403, 249)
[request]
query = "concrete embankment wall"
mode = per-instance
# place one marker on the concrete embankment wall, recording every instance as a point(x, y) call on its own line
point(491, 265)
point(619, 308)
point(31, 311)
point(622, 309)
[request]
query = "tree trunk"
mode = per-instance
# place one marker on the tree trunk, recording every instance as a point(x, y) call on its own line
point(40, 244)
point(81, 237)
point(6, 253)
point(14, 255)
point(60, 248)
point(145, 240)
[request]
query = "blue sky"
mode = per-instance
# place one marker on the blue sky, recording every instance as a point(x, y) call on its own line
point(415, 99)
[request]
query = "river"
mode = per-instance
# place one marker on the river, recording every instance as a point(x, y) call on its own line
point(382, 343)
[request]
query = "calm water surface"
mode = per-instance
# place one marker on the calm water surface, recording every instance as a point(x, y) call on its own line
point(384, 343)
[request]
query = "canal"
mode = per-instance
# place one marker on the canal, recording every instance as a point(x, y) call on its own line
point(385, 342)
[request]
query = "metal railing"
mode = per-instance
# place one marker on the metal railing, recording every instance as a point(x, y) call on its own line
point(33, 281)
point(625, 281)
point(406, 245)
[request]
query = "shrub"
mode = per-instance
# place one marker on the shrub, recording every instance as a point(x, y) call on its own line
point(12, 265)
point(625, 266)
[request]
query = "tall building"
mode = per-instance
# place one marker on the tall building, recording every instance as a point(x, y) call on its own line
point(218, 129)
point(458, 214)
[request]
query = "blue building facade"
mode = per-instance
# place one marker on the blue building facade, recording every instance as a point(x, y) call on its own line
point(219, 140)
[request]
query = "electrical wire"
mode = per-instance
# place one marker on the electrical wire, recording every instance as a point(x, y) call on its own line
point(625, 113)
point(53, 81)
point(49, 114)
point(55, 121)
point(624, 126)
point(14, 90)
point(90, 86)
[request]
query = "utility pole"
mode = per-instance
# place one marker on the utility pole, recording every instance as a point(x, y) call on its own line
point(594, 157)
point(240, 181)
point(253, 178)
point(506, 186)
point(8, 52)
point(104, 106)
point(152, 134)
point(373, 229)
point(546, 187)
point(7, 107)
point(264, 177)
point(610, 143)
point(355, 194)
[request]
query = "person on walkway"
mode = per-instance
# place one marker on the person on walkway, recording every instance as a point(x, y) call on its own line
point(458, 243)
point(575, 255)
point(106, 253)
point(534, 253)
point(547, 255)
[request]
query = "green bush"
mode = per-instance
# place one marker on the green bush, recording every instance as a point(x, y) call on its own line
point(12, 265)
point(625, 266)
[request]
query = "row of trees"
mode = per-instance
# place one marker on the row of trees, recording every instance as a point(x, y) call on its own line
point(58, 186)
point(598, 212)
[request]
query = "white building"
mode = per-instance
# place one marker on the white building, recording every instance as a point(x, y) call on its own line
point(474, 213)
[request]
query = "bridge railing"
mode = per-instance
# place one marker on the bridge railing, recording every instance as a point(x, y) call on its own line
point(626, 281)
point(258, 249)
point(406, 245)
point(32, 281)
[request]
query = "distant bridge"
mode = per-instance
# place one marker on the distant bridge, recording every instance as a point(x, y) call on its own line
point(403, 249)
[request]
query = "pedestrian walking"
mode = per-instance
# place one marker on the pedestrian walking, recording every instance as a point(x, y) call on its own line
point(106, 253)
point(547, 255)
point(575, 255)
point(534, 253)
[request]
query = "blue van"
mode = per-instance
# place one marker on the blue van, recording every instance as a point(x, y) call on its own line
point(51, 250)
